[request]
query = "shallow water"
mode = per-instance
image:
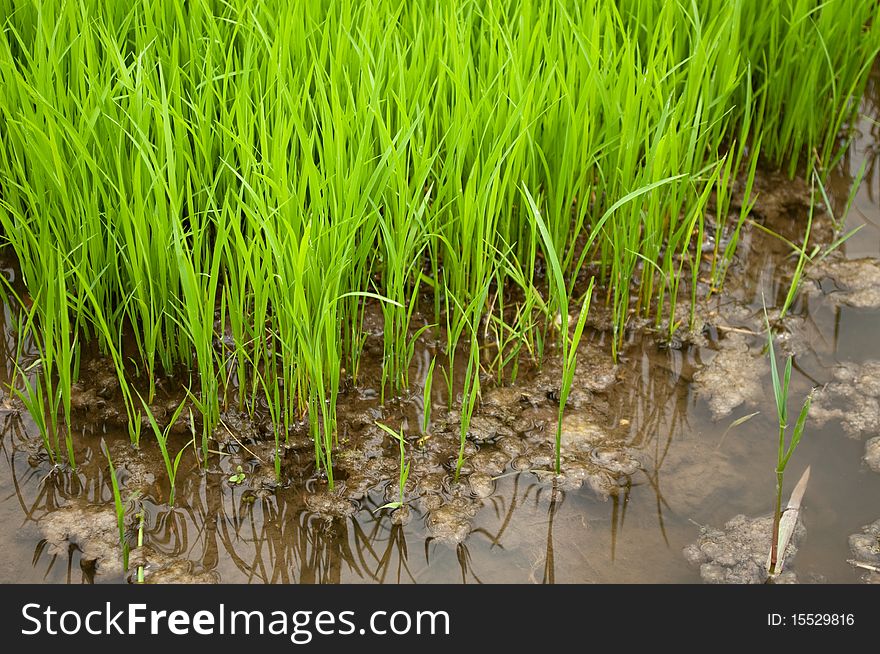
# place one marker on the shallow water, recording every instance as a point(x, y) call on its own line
point(664, 407)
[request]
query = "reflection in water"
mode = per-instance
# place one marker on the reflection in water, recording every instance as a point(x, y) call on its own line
point(549, 568)
point(618, 514)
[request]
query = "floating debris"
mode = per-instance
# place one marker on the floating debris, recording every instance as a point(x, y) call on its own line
point(872, 454)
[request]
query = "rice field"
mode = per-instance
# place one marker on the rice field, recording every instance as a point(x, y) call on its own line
point(216, 192)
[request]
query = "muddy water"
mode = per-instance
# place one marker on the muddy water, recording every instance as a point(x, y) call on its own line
point(653, 457)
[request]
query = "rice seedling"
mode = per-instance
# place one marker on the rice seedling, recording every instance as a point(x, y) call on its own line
point(404, 467)
point(45, 384)
point(838, 221)
point(785, 450)
point(569, 342)
point(802, 259)
point(814, 255)
point(468, 402)
point(733, 164)
point(162, 439)
point(118, 505)
point(786, 528)
point(33, 395)
point(140, 543)
point(426, 397)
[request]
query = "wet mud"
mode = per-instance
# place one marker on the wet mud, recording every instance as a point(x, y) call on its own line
point(852, 398)
point(737, 553)
point(93, 530)
point(851, 282)
point(865, 549)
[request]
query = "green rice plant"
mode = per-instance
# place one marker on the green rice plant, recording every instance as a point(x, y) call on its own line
point(784, 451)
point(690, 234)
point(93, 312)
point(162, 439)
point(721, 259)
point(426, 397)
point(828, 55)
point(511, 336)
point(274, 405)
point(199, 284)
point(814, 255)
point(118, 505)
point(227, 189)
point(458, 319)
point(404, 467)
point(33, 394)
point(140, 543)
point(839, 221)
point(569, 365)
point(569, 342)
point(468, 402)
point(46, 384)
point(802, 258)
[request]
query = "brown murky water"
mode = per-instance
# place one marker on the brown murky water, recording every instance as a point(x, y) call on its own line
point(651, 454)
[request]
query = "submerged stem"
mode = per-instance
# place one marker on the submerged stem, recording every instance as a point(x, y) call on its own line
point(777, 516)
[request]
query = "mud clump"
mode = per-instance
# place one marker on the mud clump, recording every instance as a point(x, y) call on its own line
point(490, 461)
point(866, 545)
point(592, 456)
point(731, 378)
point(96, 394)
point(451, 522)
point(577, 475)
point(865, 548)
point(92, 529)
point(135, 468)
point(329, 505)
point(596, 373)
point(160, 568)
point(487, 428)
point(402, 515)
point(853, 282)
point(506, 399)
point(236, 427)
point(481, 484)
point(581, 434)
point(616, 460)
point(853, 398)
point(737, 554)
